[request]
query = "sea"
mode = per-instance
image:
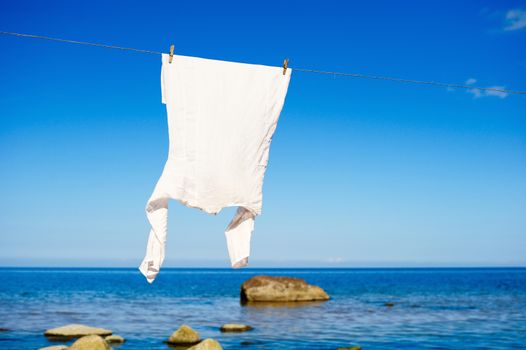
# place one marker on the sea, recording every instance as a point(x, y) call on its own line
point(377, 308)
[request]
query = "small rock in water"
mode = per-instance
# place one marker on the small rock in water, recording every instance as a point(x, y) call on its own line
point(4, 329)
point(184, 336)
point(55, 347)
point(351, 348)
point(272, 289)
point(114, 339)
point(90, 342)
point(71, 331)
point(389, 304)
point(234, 327)
point(207, 344)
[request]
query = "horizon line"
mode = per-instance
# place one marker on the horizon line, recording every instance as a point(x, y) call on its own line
point(275, 267)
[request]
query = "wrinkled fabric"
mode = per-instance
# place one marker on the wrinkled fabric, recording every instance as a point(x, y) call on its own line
point(221, 118)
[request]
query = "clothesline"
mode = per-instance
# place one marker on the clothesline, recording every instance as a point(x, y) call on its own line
point(354, 75)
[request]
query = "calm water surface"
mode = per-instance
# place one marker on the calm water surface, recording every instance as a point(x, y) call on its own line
point(433, 308)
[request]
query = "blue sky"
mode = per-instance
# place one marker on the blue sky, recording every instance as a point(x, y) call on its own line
point(361, 173)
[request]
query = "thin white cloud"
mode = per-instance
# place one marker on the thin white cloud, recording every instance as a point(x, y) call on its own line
point(500, 94)
point(515, 19)
point(478, 93)
point(336, 260)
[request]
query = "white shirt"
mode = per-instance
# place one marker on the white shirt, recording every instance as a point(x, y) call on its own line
point(221, 118)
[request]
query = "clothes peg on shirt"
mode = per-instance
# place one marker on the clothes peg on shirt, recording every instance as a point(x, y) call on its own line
point(285, 64)
point(171, 54)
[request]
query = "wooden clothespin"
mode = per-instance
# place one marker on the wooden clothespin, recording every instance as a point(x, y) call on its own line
point(171, 54)
point(285, 65)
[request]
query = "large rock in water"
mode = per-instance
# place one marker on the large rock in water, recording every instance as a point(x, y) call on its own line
point(90, 342)
point(184, 336)
point(55, 347)
point(270, 289)
point(207, 344)
point(71, 331)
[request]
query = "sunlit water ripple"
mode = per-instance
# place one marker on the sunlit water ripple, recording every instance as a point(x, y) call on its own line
point(433, 308)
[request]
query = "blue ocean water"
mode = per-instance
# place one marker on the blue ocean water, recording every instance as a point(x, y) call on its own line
point(433, 308)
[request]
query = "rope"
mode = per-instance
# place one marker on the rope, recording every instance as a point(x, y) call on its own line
point(411, 81)
point(80, 43)
point(354, 75)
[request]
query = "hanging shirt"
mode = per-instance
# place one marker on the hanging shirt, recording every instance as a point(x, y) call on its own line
point(221, 118)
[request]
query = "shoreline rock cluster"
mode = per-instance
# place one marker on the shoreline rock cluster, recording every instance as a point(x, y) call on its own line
point(258, 289)
point(87, 337)
point(93, 338)
point(186, 336)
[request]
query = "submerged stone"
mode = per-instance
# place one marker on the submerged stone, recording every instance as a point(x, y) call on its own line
point(207, 344)
point(90, 342)
point(185, 335)
point(71, 331)
point(235, 327)
point(114, 339)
